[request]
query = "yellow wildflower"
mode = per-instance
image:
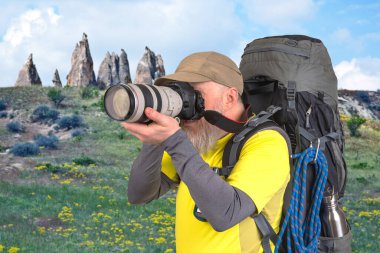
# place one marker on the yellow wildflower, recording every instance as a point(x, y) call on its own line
point(88, 243)
point(160, 240)
point(13, 249)
point(41, 230)
point(54, 177)
point(364, 214)
point(128, 242)
point(1, 248)
point(67, 181)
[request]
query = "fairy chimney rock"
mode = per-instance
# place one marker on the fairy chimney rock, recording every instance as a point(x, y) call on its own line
point(113, 70)
point(149, 68)
point(56, 79)
point(124, 72)
point(28, 74)
point(82, 67)
point(160, 69)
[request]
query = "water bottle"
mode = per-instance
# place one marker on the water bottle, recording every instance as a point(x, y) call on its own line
point(333, 219)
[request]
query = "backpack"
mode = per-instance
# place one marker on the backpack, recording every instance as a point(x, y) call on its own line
point(291, 87)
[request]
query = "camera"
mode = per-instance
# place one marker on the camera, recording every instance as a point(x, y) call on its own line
point(127, 102)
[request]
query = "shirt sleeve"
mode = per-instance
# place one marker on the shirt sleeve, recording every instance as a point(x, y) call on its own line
point(146, 181)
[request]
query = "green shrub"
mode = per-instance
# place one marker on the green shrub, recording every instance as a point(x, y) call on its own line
point(69, 122)
point(353, 125)
point(53, 168)
point(55, 95)
point(3, 115)
point(25, 149)
point(2, 148)
point(50, 141)
point(15, 127)
point(3, 105)
point(77, 132)
point(89, 92)
point(84, 160)
point(44, 114)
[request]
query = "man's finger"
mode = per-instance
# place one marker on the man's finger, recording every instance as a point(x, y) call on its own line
point(155, 116)
point(133, 127)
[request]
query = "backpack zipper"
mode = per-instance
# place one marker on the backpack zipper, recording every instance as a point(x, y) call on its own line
point(308, 112)
point(292, 51)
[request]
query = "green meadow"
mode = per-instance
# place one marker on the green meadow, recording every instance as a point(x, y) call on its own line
point(73, 198)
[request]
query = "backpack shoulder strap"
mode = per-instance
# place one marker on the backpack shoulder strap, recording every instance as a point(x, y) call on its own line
point(254, 125)
point(266, 231)
point(231, 155)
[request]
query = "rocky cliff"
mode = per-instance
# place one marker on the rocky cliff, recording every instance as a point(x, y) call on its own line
point(82, 67)
point(149, 67)
point(366, 104)
point(28, 74)
point(113, 70)
point(56, 79)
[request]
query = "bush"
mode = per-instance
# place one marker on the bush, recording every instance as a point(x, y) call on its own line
point(69, 122)
point(3, 115)
point(15, 127)
point(2, 148)
point(3, 105)
point(84, 160)
point(354, 123)
point(25, 149)
point(53, 168)
point(77, 133)
point(44, 114)
point(89, 92)
point(50, 141)
point(55, 95)
point(99, 104)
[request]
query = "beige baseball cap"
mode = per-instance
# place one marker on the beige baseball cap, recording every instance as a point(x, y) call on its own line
point(206, 66)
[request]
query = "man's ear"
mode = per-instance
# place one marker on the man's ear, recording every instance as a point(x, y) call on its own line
point(231, 98)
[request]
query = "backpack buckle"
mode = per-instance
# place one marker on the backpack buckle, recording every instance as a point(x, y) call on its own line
point(291, 94)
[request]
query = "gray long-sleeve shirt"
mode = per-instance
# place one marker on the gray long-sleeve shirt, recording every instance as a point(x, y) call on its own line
point(222, 204)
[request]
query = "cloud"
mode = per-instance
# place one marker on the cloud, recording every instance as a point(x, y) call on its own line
point(359, 74)
point(30, 24)
point(172, 28)
point(28, 33)
point(280, 15)
point(350, 40)
point(342, 35)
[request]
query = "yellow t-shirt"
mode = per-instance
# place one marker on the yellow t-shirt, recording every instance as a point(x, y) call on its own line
point(262, 172)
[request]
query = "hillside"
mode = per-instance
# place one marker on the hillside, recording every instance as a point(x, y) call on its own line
point(364, 103)
point(72, 198)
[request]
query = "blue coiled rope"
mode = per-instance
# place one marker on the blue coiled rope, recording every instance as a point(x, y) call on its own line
point(304, 237)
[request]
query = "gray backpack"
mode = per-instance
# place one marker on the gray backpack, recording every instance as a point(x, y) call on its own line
point(289, 80)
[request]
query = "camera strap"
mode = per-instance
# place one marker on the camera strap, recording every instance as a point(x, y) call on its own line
point(217, 119)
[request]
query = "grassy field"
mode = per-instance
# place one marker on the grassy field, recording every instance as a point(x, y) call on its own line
point(49, 203)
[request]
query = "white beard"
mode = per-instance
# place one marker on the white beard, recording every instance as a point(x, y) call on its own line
point(204, 135)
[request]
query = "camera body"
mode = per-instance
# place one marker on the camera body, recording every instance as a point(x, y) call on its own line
point(127, 102)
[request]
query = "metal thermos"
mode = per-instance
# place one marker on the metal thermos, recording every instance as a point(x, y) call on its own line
point(333, 219)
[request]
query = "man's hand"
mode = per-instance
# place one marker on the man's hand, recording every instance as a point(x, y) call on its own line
point(156, 132)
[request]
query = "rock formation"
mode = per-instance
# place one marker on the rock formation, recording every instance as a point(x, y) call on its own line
point(28, 74)
point(124, 71)
point(149, 67)
point(82, 71)
point(160, 69)
point(113, 70)
point(57, 80)
point(365, 104)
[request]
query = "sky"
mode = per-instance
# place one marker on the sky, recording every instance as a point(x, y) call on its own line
point(50, 30)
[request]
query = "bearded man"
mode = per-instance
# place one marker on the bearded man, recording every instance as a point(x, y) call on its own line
point(212, 212)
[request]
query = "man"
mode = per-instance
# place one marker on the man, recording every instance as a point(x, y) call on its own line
point(212, 213)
